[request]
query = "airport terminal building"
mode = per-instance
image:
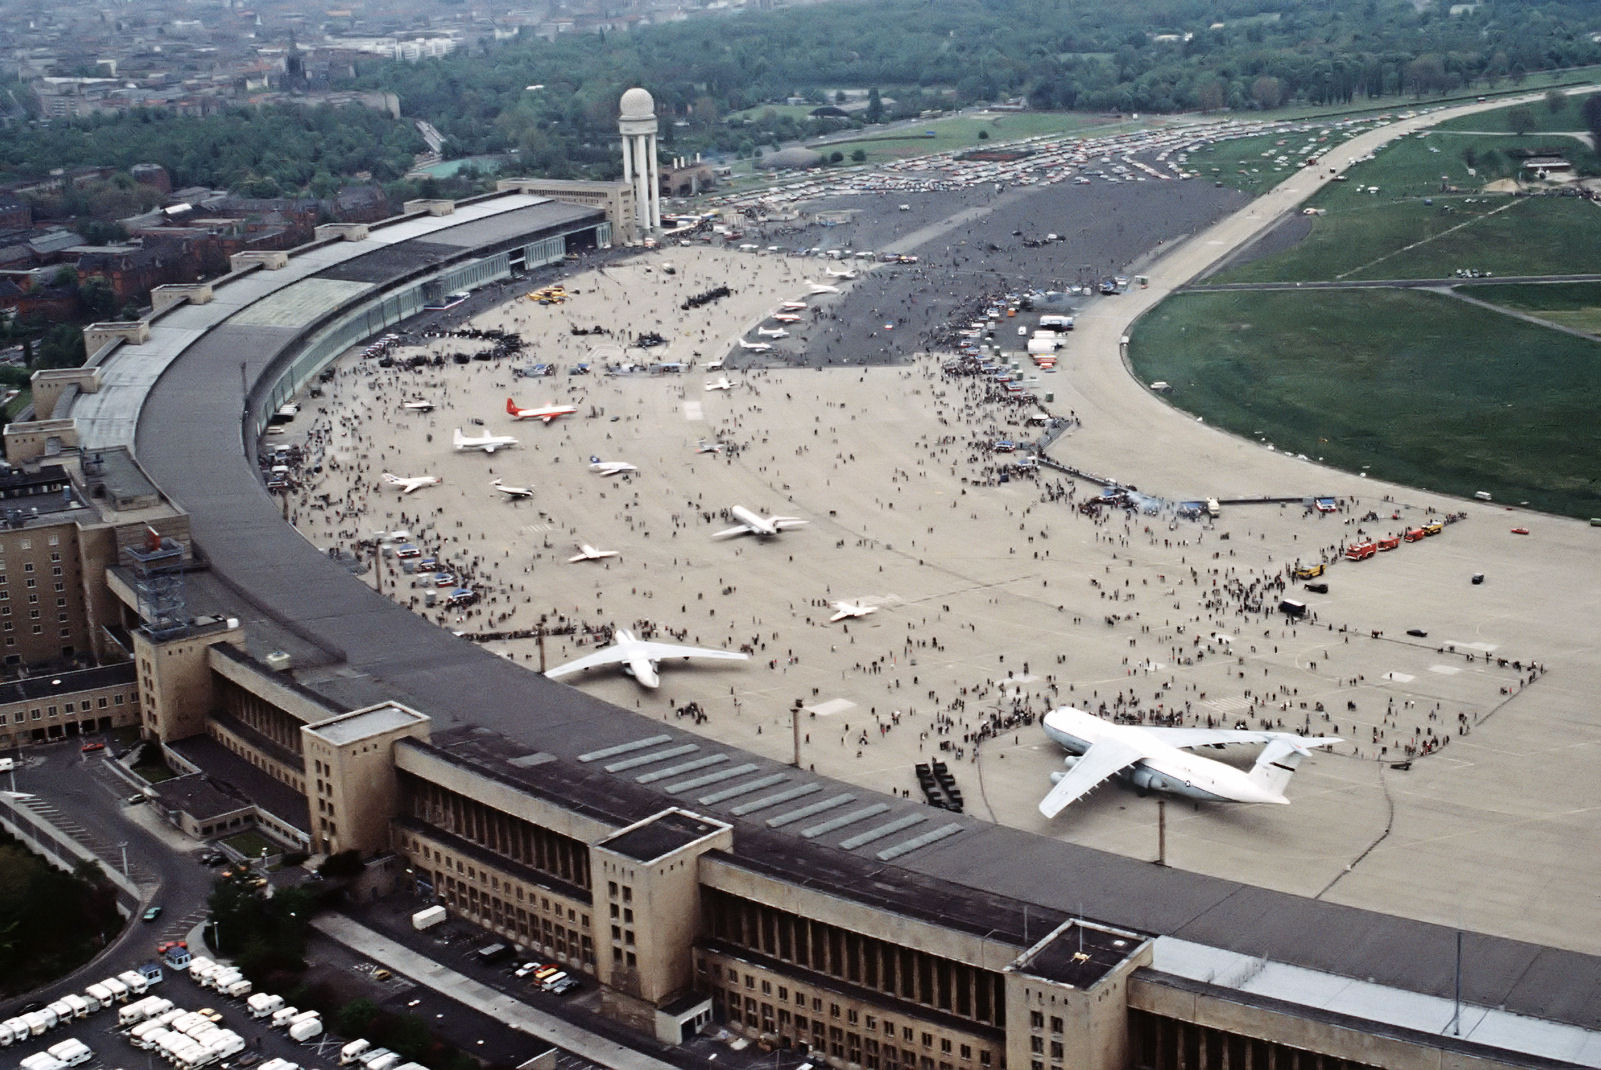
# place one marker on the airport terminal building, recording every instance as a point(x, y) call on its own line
point(697, 883)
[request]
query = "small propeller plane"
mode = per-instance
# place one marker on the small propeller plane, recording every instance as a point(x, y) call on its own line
point(721, 383)
point(513, 493)
point(610, 468)
point(759, 347)
point(845, 610)
point(486, 442)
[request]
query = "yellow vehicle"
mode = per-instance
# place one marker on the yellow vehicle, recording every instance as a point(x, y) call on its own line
point(1309, 572)
point(1433, 528)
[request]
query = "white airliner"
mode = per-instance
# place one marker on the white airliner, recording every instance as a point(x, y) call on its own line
point(755, 524)
point(786, 317)
point(486, 442)
point(793, 306)
point(514, 493)
point(587, 552)
point(846, 274)
point(639, 657)
point(772, 332)
point(408, 484)
point(760, 347)
point(842, 610)
point(708, 447)
point(720, 383)
point(420, 405)
point(817, 288)
point(1159, 759)
point(543, 413)
point(610, 468)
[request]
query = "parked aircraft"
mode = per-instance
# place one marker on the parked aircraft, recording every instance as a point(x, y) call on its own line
point(708, 447)
point(486, 442)
point(786, 317)
point(1159, 759)
point(717, 365)
point(720, 383)
point(755, 524)
point(587, 552)
point(842, 610)
point(420, 405)
point(818, 288)
point(639, 657)
point(772, 332)
point(610, 468)
point(848, 273)
point(544, 413)
point(760, 347)
point(409, 484)
point(793, 306)
point(514, 493)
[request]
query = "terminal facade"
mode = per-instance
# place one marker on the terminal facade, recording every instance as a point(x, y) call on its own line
point(687, 905)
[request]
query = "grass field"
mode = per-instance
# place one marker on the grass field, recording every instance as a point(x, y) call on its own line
point(1410, 387)
point(1572, 304)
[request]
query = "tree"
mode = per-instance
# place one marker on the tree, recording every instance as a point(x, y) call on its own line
point(1591, 111)
point(1266, 93)
point(1520, 120)
point(983, 135)
point(859, 156)
point(875, 106)
point(836, 157)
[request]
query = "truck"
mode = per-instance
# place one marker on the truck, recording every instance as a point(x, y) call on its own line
point(490, 954)
point(1213, 509)
point(262, 1004)
point(427, 918)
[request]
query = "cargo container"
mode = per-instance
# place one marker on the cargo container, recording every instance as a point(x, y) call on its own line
point(428, 918)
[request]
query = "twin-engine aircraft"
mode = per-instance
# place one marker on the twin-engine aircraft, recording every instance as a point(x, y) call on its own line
point(542, 413)
point(751, 523)
point(486, 442)
point(410, 484)
point(514, 493)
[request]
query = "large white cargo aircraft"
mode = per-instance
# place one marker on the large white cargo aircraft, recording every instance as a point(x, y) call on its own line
point(486, 442)
point(755, 524)
point(639, 657)
point(410, 484)
point(1159, 759)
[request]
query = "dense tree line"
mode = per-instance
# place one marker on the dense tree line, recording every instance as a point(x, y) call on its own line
point(554, 103)
point(1119, 55)
point(272, 151)
point(50, 921)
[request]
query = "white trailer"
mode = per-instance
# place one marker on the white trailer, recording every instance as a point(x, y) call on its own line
point(427, 918)
point(42, 1061)
point(71, 1052)
point(100, 994)
point(353, 1051)
point(40, 1021)
point(141, 1036)
point(263, 1003)
point(283, 1016)
point(63, 1010)
point(386, 1062)
point(7, 1036)
point(305, 1028)
point(137, 982)
point(119, 991)
point(139, 1010)
point(226, 1043)
point(80, 1006)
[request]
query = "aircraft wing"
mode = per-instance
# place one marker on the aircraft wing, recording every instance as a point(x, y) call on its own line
point(612, 655)
point(784, 522)
point(661, 651)
point(728, 533)
point(1190, 738)
point(1102, 761)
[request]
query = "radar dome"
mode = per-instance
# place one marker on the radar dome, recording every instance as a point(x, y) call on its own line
point(638, 104)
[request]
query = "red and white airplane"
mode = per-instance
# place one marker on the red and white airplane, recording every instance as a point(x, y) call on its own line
point(786, 317)
point(794, 306)
point(545, 413)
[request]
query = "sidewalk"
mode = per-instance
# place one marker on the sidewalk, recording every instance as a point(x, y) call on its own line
point(513, 1012)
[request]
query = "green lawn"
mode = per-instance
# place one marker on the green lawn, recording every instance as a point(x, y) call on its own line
point(1572, 304)
point(251, 843)
point(1568, 117)
point(1412, 387)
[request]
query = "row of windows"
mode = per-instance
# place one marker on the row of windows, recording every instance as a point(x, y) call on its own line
point(910, 1049)
point(529, 930)
point(41, 712)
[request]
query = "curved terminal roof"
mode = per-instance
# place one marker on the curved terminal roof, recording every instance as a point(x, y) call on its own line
point(800, 826)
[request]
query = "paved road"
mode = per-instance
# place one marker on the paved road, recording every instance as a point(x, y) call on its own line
point(513, 1012)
